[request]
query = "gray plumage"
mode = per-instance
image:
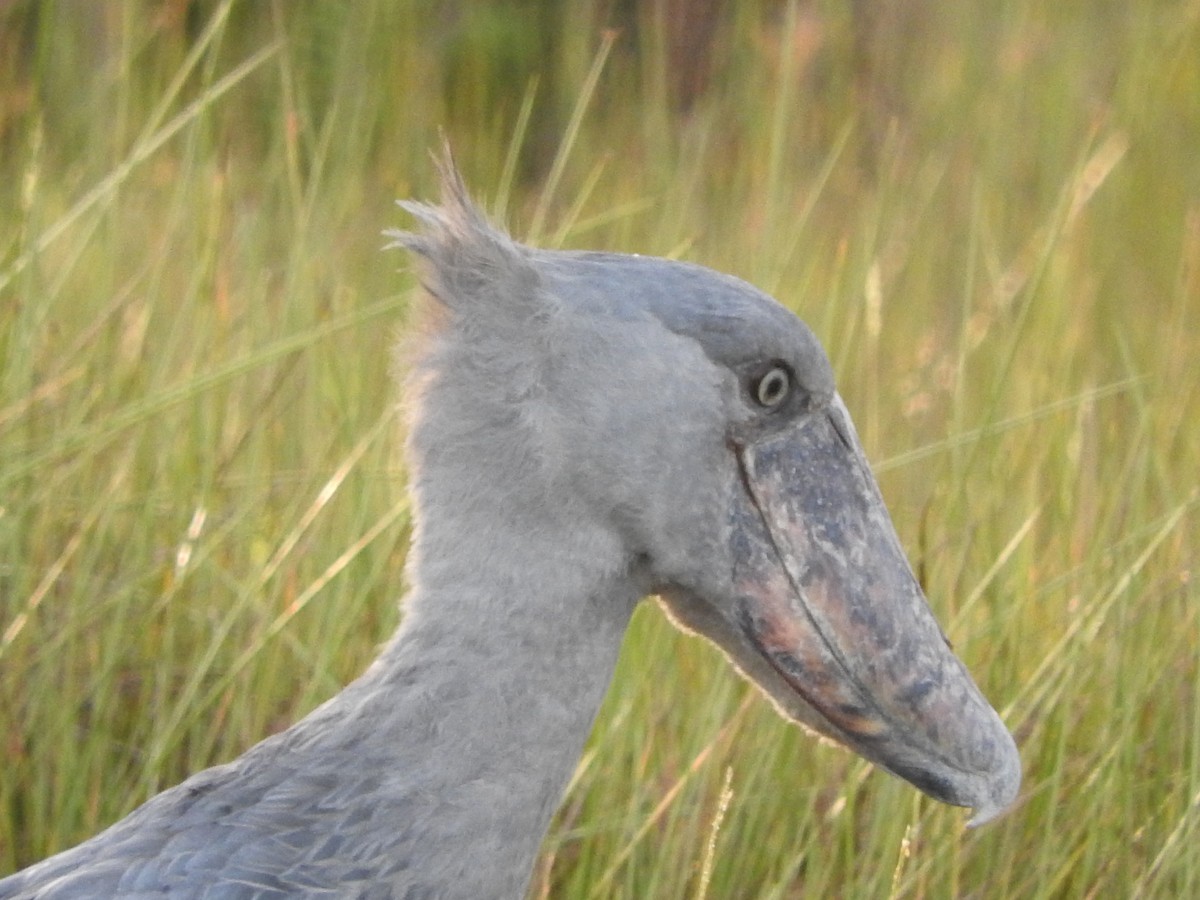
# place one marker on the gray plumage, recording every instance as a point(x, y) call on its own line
point(585, 429)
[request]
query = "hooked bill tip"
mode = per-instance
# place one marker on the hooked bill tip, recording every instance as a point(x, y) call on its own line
point(1004, 788)
point(990, 812)
point(985, 815)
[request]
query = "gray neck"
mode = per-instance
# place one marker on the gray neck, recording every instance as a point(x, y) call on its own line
point(471, 723)
point(461, 737)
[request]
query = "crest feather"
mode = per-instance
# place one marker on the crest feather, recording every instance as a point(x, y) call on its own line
point(469, 266)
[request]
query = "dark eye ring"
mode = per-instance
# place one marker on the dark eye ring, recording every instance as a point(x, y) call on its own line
point(772, 387)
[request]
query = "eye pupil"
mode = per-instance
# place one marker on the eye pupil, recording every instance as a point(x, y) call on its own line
point(773, 387)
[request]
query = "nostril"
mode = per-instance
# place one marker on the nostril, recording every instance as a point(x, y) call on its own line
point(840, 428)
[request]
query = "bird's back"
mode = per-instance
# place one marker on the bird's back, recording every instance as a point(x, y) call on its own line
point(262, 826)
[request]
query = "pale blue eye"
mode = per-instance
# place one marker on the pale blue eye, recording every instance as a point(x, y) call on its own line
point(772, 388)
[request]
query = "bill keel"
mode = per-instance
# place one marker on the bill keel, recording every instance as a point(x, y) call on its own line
point(829, 599)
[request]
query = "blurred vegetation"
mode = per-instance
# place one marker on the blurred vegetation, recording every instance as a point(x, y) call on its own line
point(989, 213)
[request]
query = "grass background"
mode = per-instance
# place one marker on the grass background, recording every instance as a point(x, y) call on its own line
point(989, 213)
